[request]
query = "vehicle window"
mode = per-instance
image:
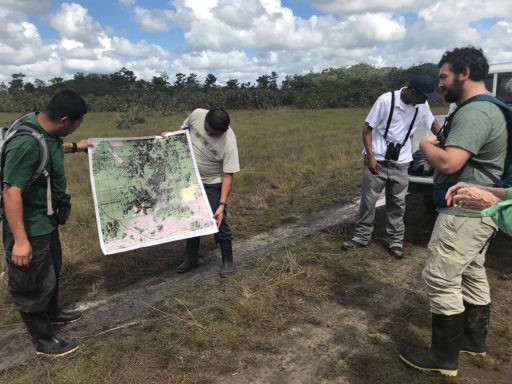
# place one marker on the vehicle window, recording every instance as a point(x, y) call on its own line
point(504, 89)
point(488, 82)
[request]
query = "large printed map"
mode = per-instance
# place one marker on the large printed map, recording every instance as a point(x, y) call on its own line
point(147, 191)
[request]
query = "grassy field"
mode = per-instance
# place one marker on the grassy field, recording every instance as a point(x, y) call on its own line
point(294, 162)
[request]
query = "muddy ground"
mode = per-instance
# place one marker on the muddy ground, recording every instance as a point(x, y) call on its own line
point(343, 330)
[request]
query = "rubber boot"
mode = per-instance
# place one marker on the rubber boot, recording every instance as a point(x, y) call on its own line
point(476, 325)
point(191, 255)
point(43, 337)
point(227, 267)
point(57, 316)
point(442, 356)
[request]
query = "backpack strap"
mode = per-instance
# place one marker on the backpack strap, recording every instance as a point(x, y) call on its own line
point(445, 129)
point(485, 171)
point(505, 108)
point(390, 114)
point(29, 129)
point(390, 117)
point(410, 126)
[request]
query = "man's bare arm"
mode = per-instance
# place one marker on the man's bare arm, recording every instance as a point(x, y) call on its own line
point(13, 208)
point(446, 160)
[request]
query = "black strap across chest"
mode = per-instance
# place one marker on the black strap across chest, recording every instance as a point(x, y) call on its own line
point(390, 117)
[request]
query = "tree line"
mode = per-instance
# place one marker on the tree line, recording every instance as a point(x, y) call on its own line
point(122, 91)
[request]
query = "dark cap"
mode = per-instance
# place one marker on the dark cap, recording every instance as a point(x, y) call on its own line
point(425, 85)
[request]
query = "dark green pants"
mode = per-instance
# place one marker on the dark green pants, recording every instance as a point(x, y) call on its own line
point(32, 287)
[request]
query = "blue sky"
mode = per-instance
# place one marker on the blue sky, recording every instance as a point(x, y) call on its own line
point(240, 39)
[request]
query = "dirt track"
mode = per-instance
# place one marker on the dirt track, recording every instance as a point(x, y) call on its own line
point(344, 329)
point(122, 308)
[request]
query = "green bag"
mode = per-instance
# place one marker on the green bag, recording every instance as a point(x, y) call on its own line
point(501, 214)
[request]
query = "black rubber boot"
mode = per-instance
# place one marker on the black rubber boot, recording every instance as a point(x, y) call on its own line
point(43, 337)
point(64, 317)
point(191, 256)
point(57, 316)
point(442, 356)
point(226, 249)
point(476, 325)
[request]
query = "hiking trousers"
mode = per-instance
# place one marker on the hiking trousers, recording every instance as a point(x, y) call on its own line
point(32, 287)
point(213, 194)
point(394, 178)
point(454, 270)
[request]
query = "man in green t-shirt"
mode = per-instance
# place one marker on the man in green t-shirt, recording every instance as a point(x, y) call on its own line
point(454, 271)
point(30, 229)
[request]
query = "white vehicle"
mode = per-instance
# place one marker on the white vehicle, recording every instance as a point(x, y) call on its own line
point(499, 83)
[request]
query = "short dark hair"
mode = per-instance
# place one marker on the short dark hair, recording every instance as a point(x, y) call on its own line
point(470, 57)
point(218, 119)
point(66, 103)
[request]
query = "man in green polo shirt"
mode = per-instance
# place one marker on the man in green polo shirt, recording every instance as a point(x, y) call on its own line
point(30, 231)
point(454, 272)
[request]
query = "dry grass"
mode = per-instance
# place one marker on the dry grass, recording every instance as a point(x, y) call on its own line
point(197, 337)
point(293, 162)
point(220, 326)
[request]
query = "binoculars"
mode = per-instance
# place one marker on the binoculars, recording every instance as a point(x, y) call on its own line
point(393, 151)
point(63, 210)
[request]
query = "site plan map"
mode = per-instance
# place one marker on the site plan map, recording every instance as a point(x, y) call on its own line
point(147, 191)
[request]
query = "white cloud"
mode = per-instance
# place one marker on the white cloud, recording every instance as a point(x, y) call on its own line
point(460, 13)
point(80, 53)
point(499, 42)
point(230, 25)
point(367, 30)
point(123, 48)
point(367, 6)
point(127, 3)
point(238, 13)
point(19, 34)
point(33, 6)
point(243, 39)
point(211, 62)
point(73, 22)
point(155, 20)
point(21, 43)
point(267, 27)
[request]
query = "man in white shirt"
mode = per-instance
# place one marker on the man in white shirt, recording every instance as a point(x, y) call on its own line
point(387, 154)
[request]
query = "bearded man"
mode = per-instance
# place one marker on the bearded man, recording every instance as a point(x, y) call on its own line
point(454, 272)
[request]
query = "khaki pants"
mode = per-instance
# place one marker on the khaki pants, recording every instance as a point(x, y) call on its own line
point(454, 271)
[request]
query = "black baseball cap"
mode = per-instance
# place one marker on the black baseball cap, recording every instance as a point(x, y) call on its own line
point(425, 85)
